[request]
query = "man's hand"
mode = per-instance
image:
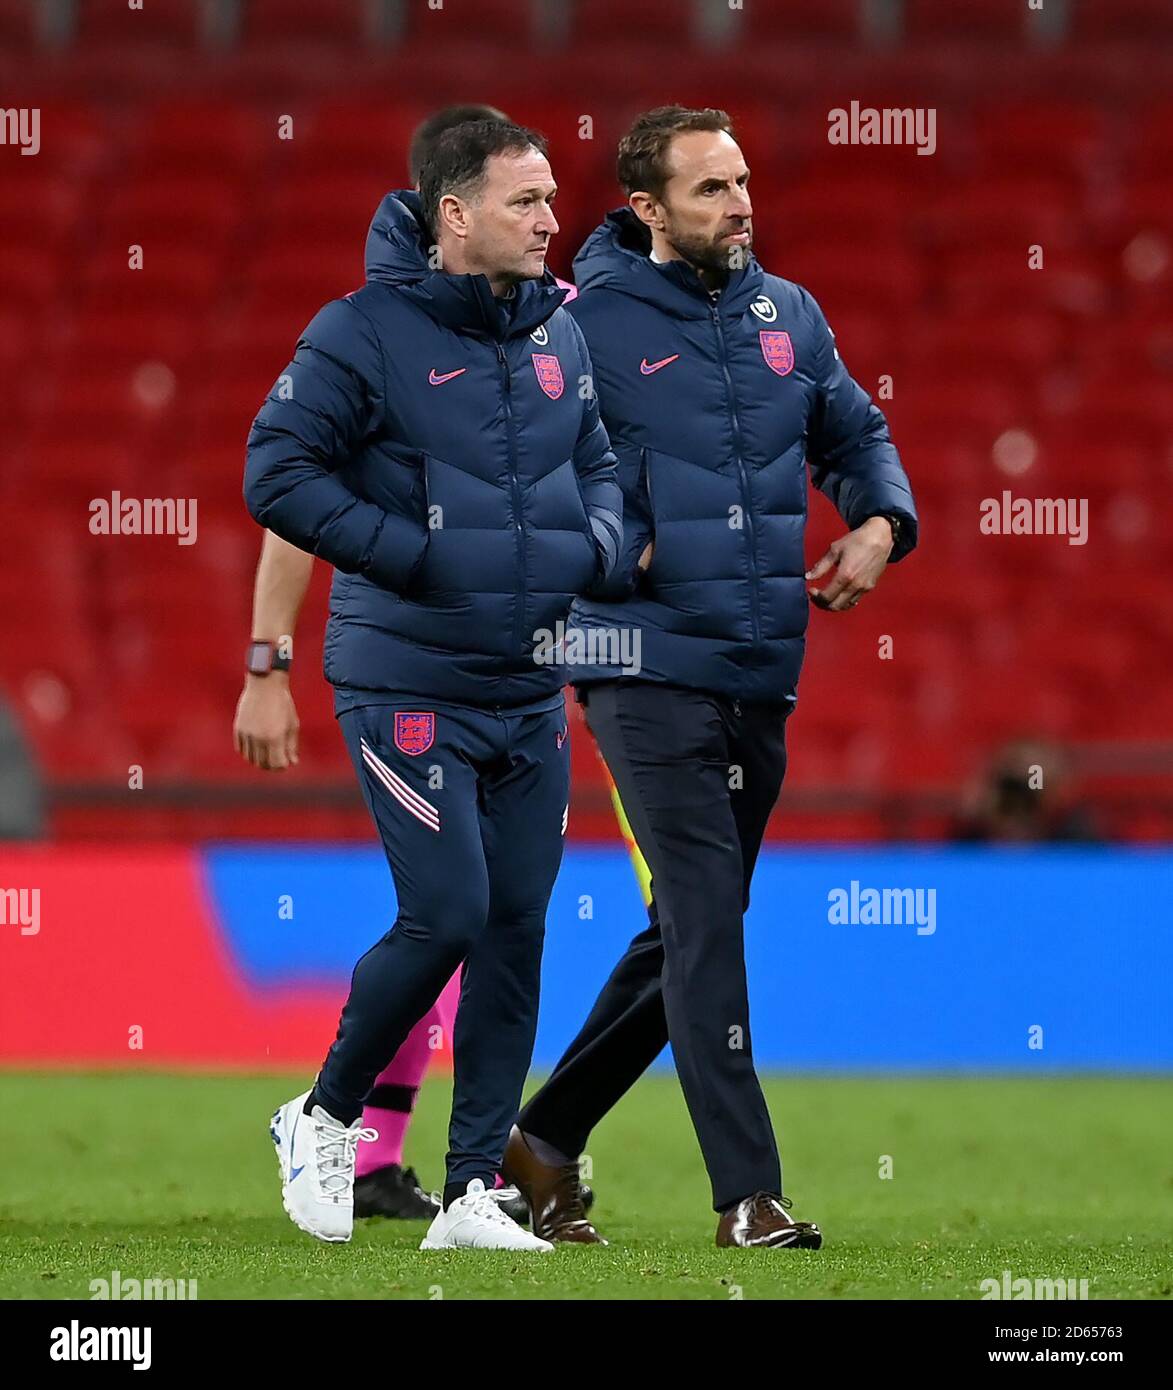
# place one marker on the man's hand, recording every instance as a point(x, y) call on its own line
point(858, 559)
point(645, 559)
point(265, 728)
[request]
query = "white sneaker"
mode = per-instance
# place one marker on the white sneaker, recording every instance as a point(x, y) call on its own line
point(316, 1156)
point(476, 1222)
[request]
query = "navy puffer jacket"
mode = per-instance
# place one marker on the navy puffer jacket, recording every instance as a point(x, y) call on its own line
point(714, 405)
point(436, 446)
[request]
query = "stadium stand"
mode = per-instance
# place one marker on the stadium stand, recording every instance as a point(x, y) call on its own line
point(159, 131)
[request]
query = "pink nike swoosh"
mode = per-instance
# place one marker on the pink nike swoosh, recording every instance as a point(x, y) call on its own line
point(647, 368)
point(434, 380)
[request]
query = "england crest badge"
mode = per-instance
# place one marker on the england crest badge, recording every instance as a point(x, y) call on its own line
point(549, 373)
point(414, 732)
point(778, 350)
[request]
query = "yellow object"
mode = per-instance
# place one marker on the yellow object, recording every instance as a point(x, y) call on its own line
point(642, 873)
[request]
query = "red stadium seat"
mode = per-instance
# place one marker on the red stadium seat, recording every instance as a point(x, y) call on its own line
point(831, 19)
point(30, 275)
point(326, 203)
point(971, 19)
point(359, 139)
point(173, 22)
point(1146, 207)
point(181, 205)
point(1019, 341)
point(853, 204)
point(1038, 137)
point(75, 469)
point(1144, 21)
point(21, 26)
point(1001, 275)
point(39, 205)
point(342, 22)
point(892, 281)
point(1003, 209)
point(202, 139)
point(616, 22)
point(173, 274)
point(112, 332)
point(147, 382)
point(491, 22)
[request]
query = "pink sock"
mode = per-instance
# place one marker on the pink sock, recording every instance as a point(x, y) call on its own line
point(392, 1098)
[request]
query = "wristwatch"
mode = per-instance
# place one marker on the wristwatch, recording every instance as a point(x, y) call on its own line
point(263, 657)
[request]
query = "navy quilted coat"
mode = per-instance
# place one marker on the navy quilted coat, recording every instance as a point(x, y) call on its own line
point(714, 406)
point(435, 445)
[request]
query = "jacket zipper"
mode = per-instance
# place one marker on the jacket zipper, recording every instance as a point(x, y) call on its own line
point(755, 588)
point(518, 529)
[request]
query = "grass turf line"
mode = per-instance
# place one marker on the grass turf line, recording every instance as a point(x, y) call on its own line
point(172, 1176)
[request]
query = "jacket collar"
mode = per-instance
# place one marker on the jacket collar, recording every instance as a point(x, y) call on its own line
point(618, 255)
point(397, 250)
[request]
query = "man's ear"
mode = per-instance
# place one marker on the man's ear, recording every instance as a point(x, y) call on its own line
point(452, 215)
point(648, 210)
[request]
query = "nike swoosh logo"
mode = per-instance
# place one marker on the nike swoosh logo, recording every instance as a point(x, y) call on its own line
point(647, 368)
point(434, 380)
point(293, 1172)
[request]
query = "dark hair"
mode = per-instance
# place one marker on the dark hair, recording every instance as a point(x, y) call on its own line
point(458, 159)
point(432, 127)
point(643, 152)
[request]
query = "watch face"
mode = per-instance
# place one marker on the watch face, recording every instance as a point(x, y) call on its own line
point(260, 658)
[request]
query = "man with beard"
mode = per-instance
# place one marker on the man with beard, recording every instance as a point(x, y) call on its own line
point(717, 383)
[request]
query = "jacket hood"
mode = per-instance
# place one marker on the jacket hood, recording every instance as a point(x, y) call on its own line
point(397, 250)
point(617, 255)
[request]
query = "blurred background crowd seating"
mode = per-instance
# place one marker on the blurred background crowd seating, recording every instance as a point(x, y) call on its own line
point(159, 129)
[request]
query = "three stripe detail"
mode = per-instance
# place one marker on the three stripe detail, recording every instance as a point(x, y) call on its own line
point(407, 797)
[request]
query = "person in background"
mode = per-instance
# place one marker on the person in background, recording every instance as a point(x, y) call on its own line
point(22, 796)
point(1026, 797)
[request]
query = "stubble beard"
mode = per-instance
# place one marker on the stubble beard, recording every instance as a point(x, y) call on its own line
point(711, 256)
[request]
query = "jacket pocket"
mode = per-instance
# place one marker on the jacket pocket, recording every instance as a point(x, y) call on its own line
point(698, 519)
point(701, 563)
point(564, 557)
point(471, 549)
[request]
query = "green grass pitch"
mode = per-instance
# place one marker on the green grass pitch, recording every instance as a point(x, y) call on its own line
point(173, 1176)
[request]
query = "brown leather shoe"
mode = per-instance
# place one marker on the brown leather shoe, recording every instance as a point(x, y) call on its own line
point(554, 1194)
point(762, 1220)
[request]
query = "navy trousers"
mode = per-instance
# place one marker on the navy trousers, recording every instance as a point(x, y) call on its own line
point(698, 775)
point(471, 807)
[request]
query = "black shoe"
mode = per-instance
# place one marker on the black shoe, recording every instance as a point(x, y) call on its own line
point(515, 1206)
point(394, 1192)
